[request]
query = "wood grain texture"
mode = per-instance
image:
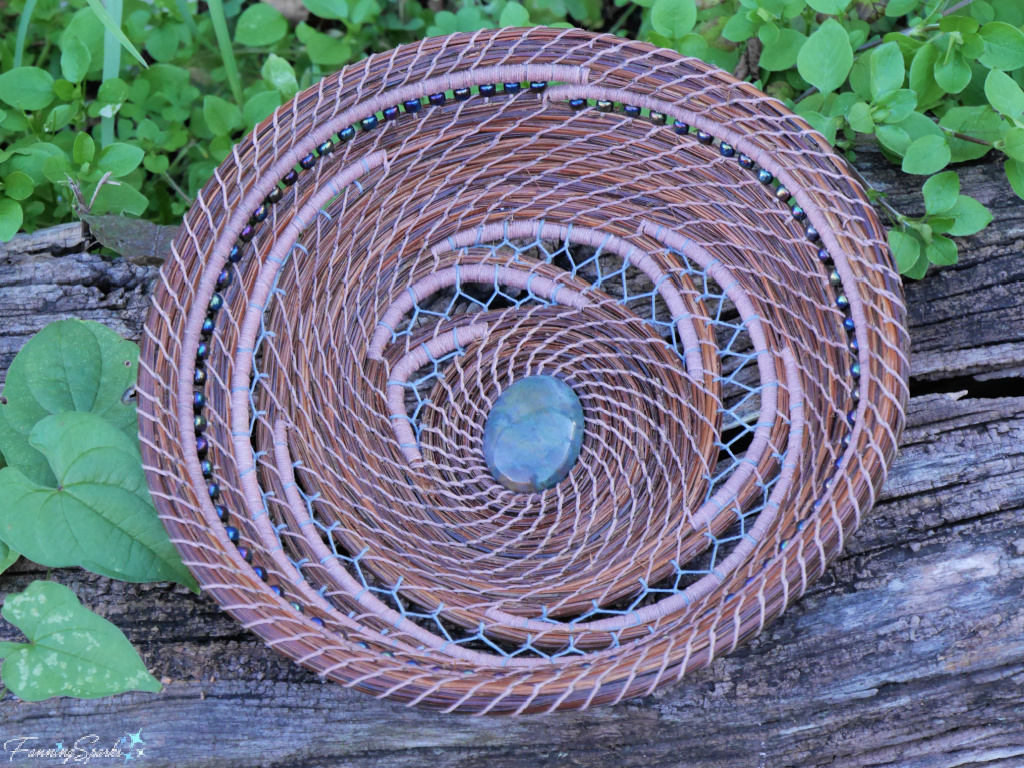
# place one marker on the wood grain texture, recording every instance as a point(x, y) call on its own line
point(910, 652)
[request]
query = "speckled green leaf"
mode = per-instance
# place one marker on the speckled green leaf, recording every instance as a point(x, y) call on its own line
point(70, 365)
point(100, 515)
point(71, 651)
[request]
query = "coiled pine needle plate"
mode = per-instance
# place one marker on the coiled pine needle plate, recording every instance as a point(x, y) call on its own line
point(387, 255)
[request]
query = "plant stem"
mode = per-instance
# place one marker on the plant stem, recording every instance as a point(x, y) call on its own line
point(910, 30)
point(174, 185)
point(965, 137)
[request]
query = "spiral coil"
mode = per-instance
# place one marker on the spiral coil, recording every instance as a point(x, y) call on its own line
point(385, 256)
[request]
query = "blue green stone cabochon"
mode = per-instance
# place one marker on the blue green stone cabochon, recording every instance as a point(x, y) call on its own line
point(533, 434)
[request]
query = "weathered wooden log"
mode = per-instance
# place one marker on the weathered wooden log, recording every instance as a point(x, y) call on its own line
point(910, 652)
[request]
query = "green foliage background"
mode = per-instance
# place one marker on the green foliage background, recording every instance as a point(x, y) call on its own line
point(127, 106)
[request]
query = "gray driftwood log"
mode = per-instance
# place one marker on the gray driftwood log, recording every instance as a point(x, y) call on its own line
point(909, 653)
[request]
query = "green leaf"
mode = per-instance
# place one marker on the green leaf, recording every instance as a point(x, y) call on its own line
point(11, 217)
point(119, 159)
point(328, 9)
point(1004, 46)
point(18, 185)
point(739, 28)
point(281, 75)
point(896, 8)
point(922, 75)
point(117, 198)
point(99, 516)
point(953, 74)
point(826, 58)
point(514, 15)
point(926, 155)
point(781, 55)
point(1005, 96)
point(860, 119)
point(941, 192)
point(28, 88)
point(222, 117)
point(941, 251)
point(969, 216)
point(259, 25)
point(70, 365)
point(322, 48)
point(84, 148)
point(980, 122)
point(260, 106)
point(887, 70)
point(71, 651)
point(673, 18)
point(831, 7)
point(906, 249)
point(1013, 143)
point(74, 59)
point(8, 557)
point(1015, 175)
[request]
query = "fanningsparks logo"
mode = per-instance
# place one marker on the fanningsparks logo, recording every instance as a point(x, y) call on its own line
point(129, 747)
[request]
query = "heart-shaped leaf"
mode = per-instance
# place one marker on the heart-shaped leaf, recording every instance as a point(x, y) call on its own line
point(100, 515)
point(70, 365)
point(71, 651)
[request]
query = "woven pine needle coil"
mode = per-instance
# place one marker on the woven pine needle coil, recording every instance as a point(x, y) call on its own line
point(387, 254)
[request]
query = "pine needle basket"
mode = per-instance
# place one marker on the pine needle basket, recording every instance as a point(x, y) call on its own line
point(385, 255)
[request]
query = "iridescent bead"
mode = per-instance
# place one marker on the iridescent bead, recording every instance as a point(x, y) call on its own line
point(746, 162)
point(488, 90)
point(511, 88)
point(295, 605)
point(842, 302)
point(245, 554)
point(233, 533)
point(235, 254)
point(704, 137)
point(277, 590)
point(318, 621)
point(782, 194)
point(577, 104)
point(199, 377)
point(726, 150)
point(206, 468)
point(307, 162)
point(850, 326)
point(855, 346)
point(260, 214)
point(202, 352)
point(222, 512)
point(412, 106)
point(855, 395)
point(631, 111)
point(680, 127)
point(202, 446)
point(326, 148)
point(347, 134)
point(261, 572)
point(851, 418)
point(658, 118)
point(855, 370)
point(369, 123)
point(538, 86)
point(213, 490)
point(824, 256)
point(462, 94)
point(224, 279)
point(846, 440)
point(436, 99)
point(812, 234)
point(391, 113)
point(290, 178)
point(275, 196)
point(603, 105)
point(247, 233)
point(200, 423)
point(833, 278)
point(216, 303)
point(209, 326)
point(765, 176)
point(799, 213)
point(198, 401)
